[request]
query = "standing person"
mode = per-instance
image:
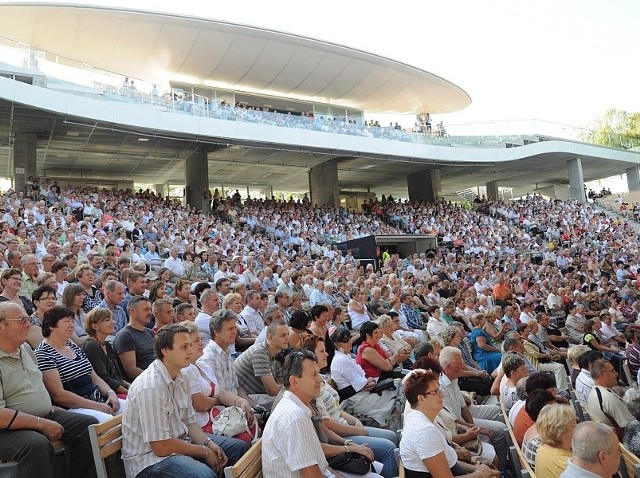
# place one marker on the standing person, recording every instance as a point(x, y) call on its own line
point(160, 436)
point(28, 423)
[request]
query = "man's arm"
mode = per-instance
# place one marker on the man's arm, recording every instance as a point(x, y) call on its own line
point(128, 360)
point(312, 471)
point(270, 385)
point(23, 421)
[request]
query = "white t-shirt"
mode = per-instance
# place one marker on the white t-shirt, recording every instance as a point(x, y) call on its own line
point(422, 439)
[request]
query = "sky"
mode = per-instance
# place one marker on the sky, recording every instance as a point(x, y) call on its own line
point(564, 61)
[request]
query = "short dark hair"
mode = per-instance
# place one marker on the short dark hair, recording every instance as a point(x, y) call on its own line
point(53, 316)
point(43, 289)
point(180, 308)
point(540, 381)
point(165, 338)
point(293, 364)
point(367, 329)
point(536, 400)
point(427, 363)
point(317, 310)
point(221, 281)
point(218, 319)
point(299, 320)
point(135, 300)
point(417, 383)
point(586, 359)
point(341, 335)
point(422, 350)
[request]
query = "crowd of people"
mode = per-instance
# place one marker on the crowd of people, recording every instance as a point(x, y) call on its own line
point(122, 302)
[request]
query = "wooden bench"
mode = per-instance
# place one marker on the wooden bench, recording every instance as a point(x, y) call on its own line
point(106, 443)
point(249, 466)
point(520, 465)
point(629, 463)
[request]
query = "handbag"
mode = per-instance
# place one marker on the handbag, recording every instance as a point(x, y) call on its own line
point(350, 462)
point(382, 385)
point(230, 422)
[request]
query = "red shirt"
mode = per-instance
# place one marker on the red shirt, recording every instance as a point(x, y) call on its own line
point(370, 370)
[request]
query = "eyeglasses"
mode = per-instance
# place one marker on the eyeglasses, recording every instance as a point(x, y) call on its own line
point(21, 320)
point(437, 391)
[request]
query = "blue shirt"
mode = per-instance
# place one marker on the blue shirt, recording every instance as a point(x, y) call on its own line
point(119, 315)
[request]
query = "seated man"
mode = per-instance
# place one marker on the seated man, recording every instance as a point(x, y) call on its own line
point(253, 366)
point(595, 451)
point(290, 445)
point(134, 343)
point(584, 380)
point(603, 404)
point(160, 436)
point(28, 423)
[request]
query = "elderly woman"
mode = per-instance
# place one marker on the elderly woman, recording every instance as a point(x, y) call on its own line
point(182, 293)
point(381, 442)
point(85, 275)
point(531, 441)
point(555, 425)
point(487, 356)
point(99, 324)
point(354, 387)
point(423, 447)
point(67, 373)
point(631, 438)
point(436, 324)
point(373, 359)
point(244, 337)
point(206, 393)
point(389, 340)
point(473, 379)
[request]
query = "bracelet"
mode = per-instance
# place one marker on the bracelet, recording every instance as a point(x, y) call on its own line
point(346, 447)
point(206, 442)
point(12, 419)
point(206, 453)
point(38, 424)
point(235, 400)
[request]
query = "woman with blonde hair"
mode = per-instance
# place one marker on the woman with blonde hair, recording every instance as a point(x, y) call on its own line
point(555, 425)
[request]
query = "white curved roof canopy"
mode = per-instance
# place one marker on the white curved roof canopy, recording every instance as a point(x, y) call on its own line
point(162, 47)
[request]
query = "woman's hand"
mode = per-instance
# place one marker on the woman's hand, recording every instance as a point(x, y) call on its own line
point(112, 401)
point(246, 408)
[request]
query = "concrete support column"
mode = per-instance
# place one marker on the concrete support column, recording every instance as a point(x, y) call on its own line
point(323, 184)
point(492, 191)
point(197, 180)
point(633, 178)
point(424, 186)
point(160, 190)
point(576, 180)
point(24, 159)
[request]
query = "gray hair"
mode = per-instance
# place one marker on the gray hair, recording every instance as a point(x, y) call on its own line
point(590, 438)
point(447, 355)
point(383, 320)
point(293, 364)
point(632, 401)
point(449, 333)
point(218, 319)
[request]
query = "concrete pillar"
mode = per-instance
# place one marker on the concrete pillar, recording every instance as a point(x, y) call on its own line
point(633, 178)
point(197, 180)
point(160, 190)
point(492, 191)
point(24, 159)
point(424, 186)
point(323, 184)
point(576, 180)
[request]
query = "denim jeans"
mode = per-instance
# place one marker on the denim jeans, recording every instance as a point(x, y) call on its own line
point(180, 466)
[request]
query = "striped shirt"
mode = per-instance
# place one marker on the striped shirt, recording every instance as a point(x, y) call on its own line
point(68, 368)
point(221, 363)
point(158, 408)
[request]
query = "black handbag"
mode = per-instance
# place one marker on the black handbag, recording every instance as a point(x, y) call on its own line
point(382, 385)
point(350, 462)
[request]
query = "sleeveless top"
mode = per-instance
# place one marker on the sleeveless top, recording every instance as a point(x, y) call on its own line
point(370, 370)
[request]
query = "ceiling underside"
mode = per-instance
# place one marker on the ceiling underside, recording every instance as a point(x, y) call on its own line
point(70, 147)
point(160, 48)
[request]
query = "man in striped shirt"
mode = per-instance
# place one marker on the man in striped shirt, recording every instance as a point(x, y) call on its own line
point(160, 433)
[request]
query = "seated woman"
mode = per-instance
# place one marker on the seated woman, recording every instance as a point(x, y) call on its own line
point(73, 298)
point(373, 359)
point(67, 372)
point(182, 293)
point(354, 388)
point(99, 324)
point(298, 327)
point(244, 337)
point(43, 298)
point(382, 442)
point(207, 394)
point(11, 282)
point(592, 340)
point(531, 441)
point(424, 449)
point(555, 425)
point(487, 356)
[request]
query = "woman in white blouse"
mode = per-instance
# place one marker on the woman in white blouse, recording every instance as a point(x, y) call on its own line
point(423, 447)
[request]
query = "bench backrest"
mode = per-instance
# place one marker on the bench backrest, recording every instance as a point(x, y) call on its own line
point(106, 441)
point(249, 466)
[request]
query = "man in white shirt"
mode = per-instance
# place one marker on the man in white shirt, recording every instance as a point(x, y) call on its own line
point(251, 313)
point(584, 381)
point(210, 303)
point(174, 263)
point(290, 445)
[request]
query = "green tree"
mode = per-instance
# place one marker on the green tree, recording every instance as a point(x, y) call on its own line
point(615, 129)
